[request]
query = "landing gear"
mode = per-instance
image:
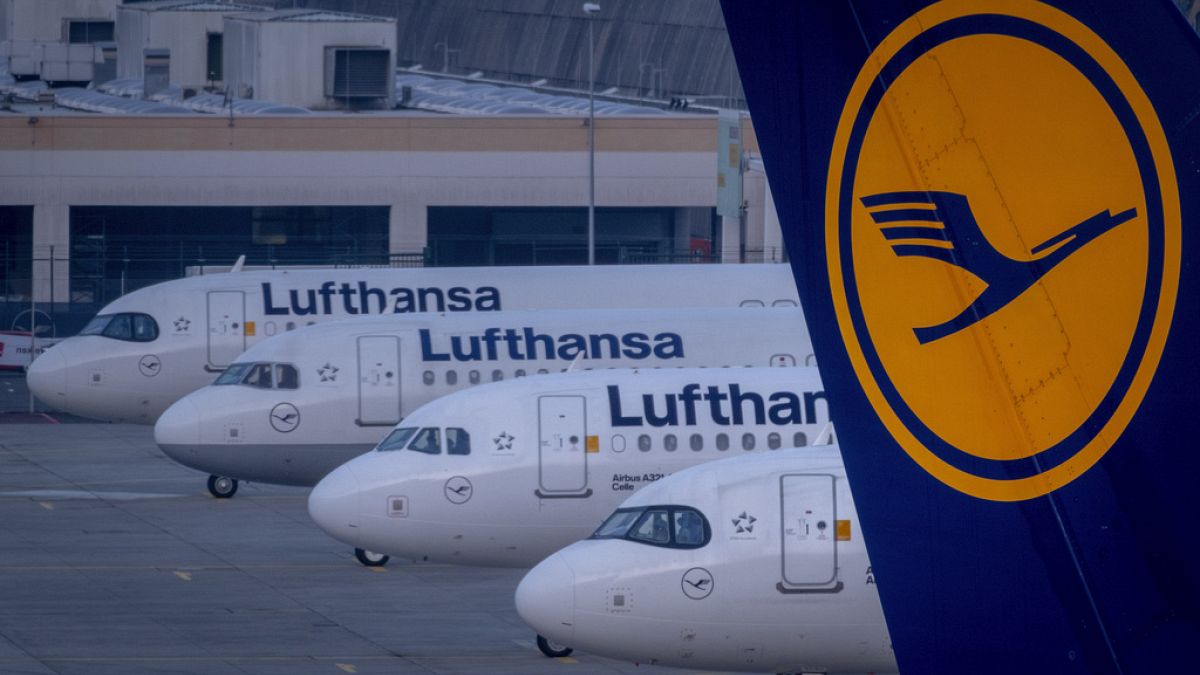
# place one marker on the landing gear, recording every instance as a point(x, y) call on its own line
point(371, 558)
point(222, 487)
point(552, 649)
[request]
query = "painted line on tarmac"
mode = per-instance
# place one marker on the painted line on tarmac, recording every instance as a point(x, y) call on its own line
point(88, 494)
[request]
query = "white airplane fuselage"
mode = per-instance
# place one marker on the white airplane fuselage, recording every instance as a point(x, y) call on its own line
point(356, 379)
point(189, 330)
point(551, 456)
point(783, 583)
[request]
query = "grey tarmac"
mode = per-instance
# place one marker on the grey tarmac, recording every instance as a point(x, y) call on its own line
point(114, 559)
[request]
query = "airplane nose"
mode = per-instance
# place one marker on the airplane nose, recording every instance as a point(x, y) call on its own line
point(178, 427)
point(333, 504)
point(47, 376)
point(546, 599)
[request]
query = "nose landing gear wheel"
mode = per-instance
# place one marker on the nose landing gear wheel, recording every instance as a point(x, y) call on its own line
point(222, 487)
point(552, 649)
point(371, 558)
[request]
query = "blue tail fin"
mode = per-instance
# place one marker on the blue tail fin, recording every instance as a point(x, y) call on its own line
point(1025, 480)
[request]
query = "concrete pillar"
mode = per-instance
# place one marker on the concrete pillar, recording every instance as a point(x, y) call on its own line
point(754, 189)
point(51, 228)
point(408, 228)
point(731, 239)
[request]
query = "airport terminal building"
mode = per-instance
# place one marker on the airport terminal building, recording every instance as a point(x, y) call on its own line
point(108, 188)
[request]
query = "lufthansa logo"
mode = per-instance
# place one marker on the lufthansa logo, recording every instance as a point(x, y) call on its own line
point(458, 490)
point(1003, 240)
point(285, 418)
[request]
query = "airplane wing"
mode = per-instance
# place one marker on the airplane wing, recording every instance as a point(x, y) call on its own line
point(1025, 484)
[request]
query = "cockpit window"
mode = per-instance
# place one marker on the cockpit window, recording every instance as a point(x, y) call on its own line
point(127, 326)
point(259, 376)
point(670, 526)
point(617, 524)
point(458, 441)
point(233, 374)
point(286, 376)
point(428, 441)
point(397, 439)
point(653, 527)
point(262, 375)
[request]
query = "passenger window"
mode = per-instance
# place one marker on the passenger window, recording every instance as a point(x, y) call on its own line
point(773, 441)
point(497, 375)
point(473, 377)
point(427, 377)
point(451, 377)
point(428, 441)
point(458, 441)
point(669, 442)
point(543, 371)
point(722, 441)
point(397, 439)
point(697, 442)
point(259, 376)
point(618, 443)
point(286, 376)
point(291, 325)
point(644, 443)
point(269, 328)
point(520, 373)
point(689, 528)
point(799, 440)
point(653, 527)
point(747, 441)
point(784, 303)
point(752, 303)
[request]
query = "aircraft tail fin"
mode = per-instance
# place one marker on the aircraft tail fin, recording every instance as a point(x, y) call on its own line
point(1024, 483)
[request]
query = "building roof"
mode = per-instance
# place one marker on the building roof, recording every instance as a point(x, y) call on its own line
point(192, 6)
point(314, 16)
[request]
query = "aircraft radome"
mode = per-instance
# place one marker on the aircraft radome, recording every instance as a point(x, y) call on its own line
point(294, 407)
point(149, 348)
point(753, 563)
point(506, 473)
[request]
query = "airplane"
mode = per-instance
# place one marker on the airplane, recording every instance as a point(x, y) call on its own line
point(310, 400)
point(752, 563)
point(149, 348)
point(1023, 399)
point(528, 466)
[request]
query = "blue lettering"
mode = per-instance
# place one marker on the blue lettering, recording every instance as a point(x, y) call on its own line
point(427, 353)
point(269, 307)
point(614, 407)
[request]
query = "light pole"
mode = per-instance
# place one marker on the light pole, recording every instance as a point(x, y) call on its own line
point(591, 8)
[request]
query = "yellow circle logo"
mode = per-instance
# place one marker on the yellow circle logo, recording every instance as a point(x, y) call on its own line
point(1003, 237)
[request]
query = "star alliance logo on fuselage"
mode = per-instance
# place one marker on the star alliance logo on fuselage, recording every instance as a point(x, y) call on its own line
point(744, 523)
point(328, 373)
point(1003, 241)
point(504, 441)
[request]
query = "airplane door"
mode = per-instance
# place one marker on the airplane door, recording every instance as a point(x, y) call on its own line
point(378, 380)
point(226, 327)
point(808, 523)
point(562, 443)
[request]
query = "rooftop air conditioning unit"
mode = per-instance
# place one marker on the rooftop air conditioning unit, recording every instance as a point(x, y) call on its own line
point(357, 72)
